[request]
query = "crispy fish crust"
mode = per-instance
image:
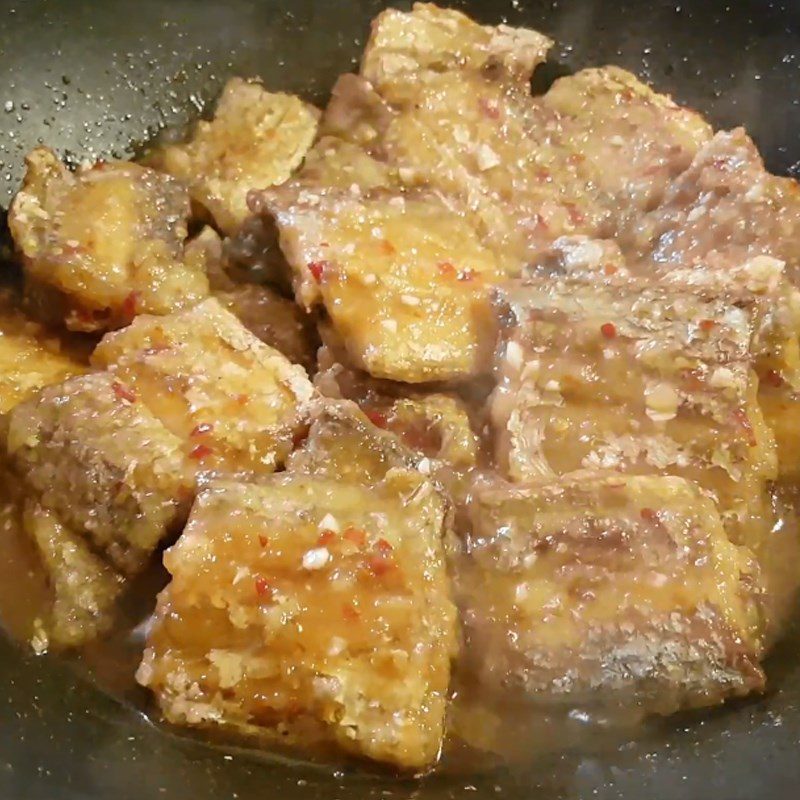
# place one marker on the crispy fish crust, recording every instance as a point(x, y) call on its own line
point(103, 243)
point(256, 139)
point(643, 379)
point(311, 610)
point(235, 402)
point(608, 588)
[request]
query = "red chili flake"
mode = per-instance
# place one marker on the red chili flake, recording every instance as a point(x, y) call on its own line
point(317, 269)
point(101, 164)
point(608, 329)
point(576, 158)
point(263, 540)
point(383, 547)
point(123, 392)
point(263, 589)
point(541, 226)
point(377, 418)
point(201, 429)
point(242, 399)
point(467, 275)
point(576, 217)
point(350, 612)
point(388, 248)
point(741, 418)
point(326, 537)
point(200, 452)
point(129, 305)
point(489, 108)
point(356, 536)
point(609, 269)
point(447, 269)
point(650, 514)
point(379, 565)
point(707, 325)
point(772, 378)
point(543, 174)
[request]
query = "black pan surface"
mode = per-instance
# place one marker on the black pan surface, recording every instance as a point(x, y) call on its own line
point(96, 79)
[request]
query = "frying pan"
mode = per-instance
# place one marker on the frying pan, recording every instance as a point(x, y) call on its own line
point(96, 79)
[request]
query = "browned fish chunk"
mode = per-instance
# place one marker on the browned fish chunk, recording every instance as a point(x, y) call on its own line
point(610, 589)
point(725, 209)
point(629, 140)
point(429, 39)
point(91, 452)
point(84, 587)
point(256, 139)
point(599, 145)
point(646, 379)
point(313, 611)
point(757, 287)
point(103, 243)
point(403, 279)
point(235, 403)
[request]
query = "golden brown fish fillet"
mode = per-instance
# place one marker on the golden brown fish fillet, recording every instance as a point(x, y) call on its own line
point(102, 244)
point(313, 611)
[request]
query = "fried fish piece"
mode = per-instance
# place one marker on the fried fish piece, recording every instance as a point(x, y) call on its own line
point(429, 39)
point(758, 287)
point(403, 279)
point(313, 611)
point(256, 139)
point(458, 121)
point(236, 403)
point(91, 452)
point(103, 243)
point(343, 442)
point(275, 320)
point(630, 140)
point(84, 587)
point(607, 588)
point(597, 146)
point(724, 209)
point(30, 357)
point(645, 379)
